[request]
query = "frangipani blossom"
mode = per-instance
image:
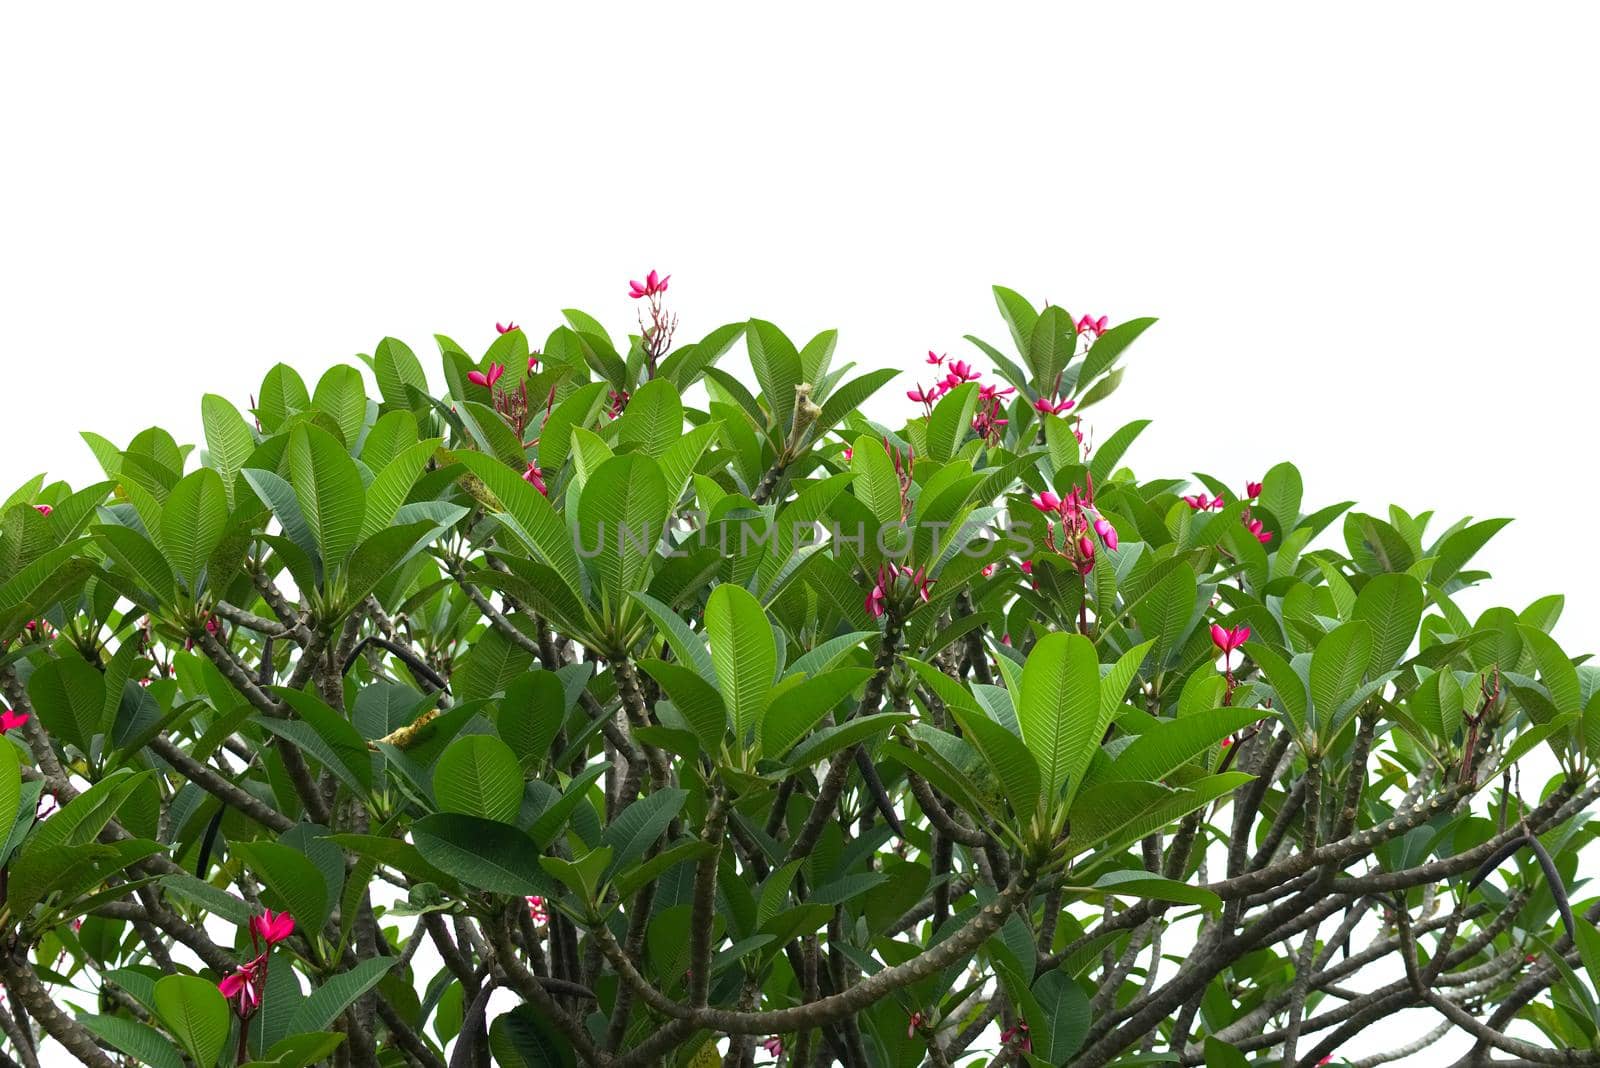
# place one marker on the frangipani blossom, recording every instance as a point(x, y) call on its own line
point(1094, 326)
point(10, 720)
point(479, 378)
point(506, 329)
point(1227, 640)
point(652, 285)
point(271, 927)
point(1252, 490)
point(1051, 406)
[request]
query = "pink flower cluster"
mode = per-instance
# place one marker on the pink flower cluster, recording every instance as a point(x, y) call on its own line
point(773, 1046)
point(987, 422)
point(1078, 516)
point(243, 987)
point(889, 583)
point(537, 910)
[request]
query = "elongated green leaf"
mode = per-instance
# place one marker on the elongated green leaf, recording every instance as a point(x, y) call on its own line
point(621, 520)
point(1391, 604)
point(196, 1013)
point(1059, 710)
point(744, 654)
point(1337, 666)
point(193, 522)
point(481, 853)
point(229, 442)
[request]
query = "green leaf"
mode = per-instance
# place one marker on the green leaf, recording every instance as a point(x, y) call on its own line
point(777, 368)
point(10, 791)
point(329, 491)
point(523, 1038)
point(1059, 710)
point(1168, 744)
point(478, 775)
point(69, 697)
point(1050, 347)
point(1391, 604)
point(654, 418)
point(1337, 667)
point(193, 522)
point(292, 876)
point(140, 1041)
point(395, 367)
point(530, 715)
point(324, 1004)
point(876, 484)
point(342, 397)
point(1019, 316)
point(798, 709)
point(1136, 883)
point(530, 518)
point(229, 442)
point(688, 646)
point(639, 825)
point(1013, 766)
point(1065, 1016)
point(197, 1015)
point(283, 393)
point(481, 853)
point(620, 522)
point(695, 699)
point(949, 423)
point(744, 654)
point(392, 484)
point(1164, 613)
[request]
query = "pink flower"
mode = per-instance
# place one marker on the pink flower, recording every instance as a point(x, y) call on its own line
point(271, 927)
point(1228, 640)
point(964, 372)
point(1049, 406)
point(919, 581)
point(1047, 502)
point(1027, 567)
point(988, 571)
point(1226, 742)
point(43, 509)
point(1098, 326)
point(849, 454)
point(533, 362)
point(1252, 490)
point(506, 329)
point(1019, 1032)
point(773, 1046)
point(536, 910)
point(934, 358)
point(993, 391)
point(478, 378)
point(1200, 503)
point(1254, 526)
point(1085, 554)
point(916, 1021)
point(243, 987)
point(535, 478)
point(877, 599)
point(923, 396)
point(10, 720)
point(652, 284)
point(1107, 532)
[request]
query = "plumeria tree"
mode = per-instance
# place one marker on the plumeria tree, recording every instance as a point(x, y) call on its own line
point(612, 707)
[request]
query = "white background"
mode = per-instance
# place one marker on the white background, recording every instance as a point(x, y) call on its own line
point(1369, 230)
